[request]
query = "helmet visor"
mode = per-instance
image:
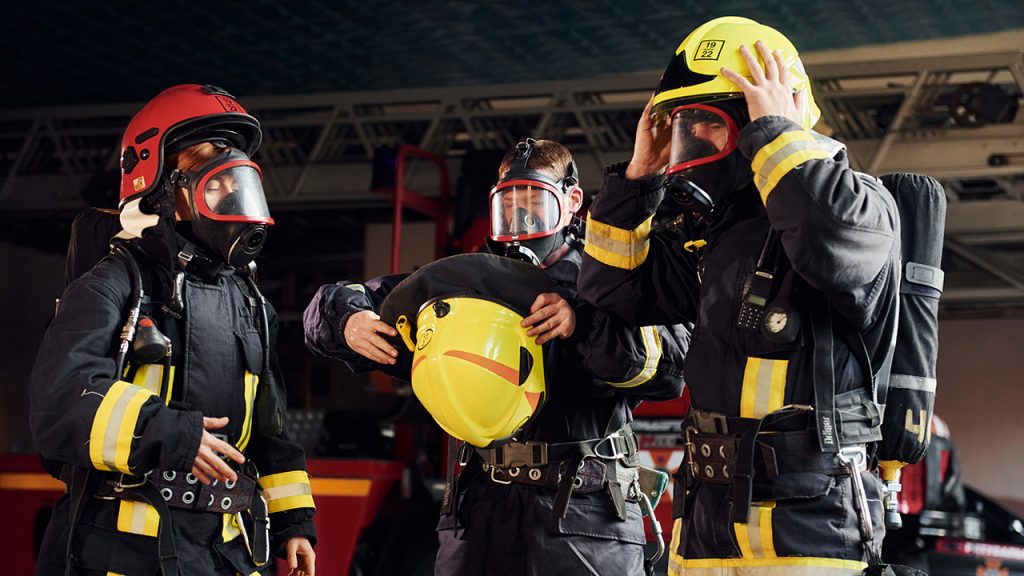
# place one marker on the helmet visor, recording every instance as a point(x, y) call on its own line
point(233, 192)
point(700, 134)
point(524, 209)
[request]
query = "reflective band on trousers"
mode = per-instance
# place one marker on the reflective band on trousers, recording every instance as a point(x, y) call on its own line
point(786, 566)
point(137, 518)
point(764, 387)
point(618, 247)
point(652, 351)
point(777, 158)
point(113, 426)
point(287, 490)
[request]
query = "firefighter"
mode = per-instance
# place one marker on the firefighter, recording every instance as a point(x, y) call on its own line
point(787, 261)
point(546, 501)
point(171, 441)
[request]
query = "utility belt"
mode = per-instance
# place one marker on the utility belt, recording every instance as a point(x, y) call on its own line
point(166, 489)
point(590, 477)
point(731, 450)
point(184, 490)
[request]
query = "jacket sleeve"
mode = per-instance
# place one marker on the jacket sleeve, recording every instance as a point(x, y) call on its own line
point(644, 362)
point(81, 413)
point(839, 228)
point(283, 478)
point(642, 278)
point(332, 305)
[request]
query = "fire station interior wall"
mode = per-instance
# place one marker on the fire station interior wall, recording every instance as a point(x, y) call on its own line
point(981, 397)
point(32, 281)
point(417, 247)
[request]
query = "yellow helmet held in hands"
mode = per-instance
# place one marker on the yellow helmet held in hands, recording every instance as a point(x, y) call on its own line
point(694, 73)
point(475, 370)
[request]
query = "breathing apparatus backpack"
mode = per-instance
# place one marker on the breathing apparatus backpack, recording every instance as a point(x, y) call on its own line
point(905, 384)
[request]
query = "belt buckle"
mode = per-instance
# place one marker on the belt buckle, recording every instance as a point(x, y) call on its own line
point(691, 447)
point(520, 454)
point(120, 485)
point(711, 422)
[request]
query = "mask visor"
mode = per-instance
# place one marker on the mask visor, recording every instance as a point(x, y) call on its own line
point(233, 192)
point(701, 134)
point(524, 209)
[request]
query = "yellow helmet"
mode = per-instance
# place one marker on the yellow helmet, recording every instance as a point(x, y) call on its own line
point(694, 73)
point(475, 370)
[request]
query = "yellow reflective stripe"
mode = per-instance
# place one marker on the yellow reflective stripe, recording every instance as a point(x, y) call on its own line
point(773, 161)
point(652, 351)
point(764, 387)
point(114, 574)
point(250, 381)
point(137, 518)
point(229, 531)
point(787, 566)
point(675, 561)
point(287, 490)
point(755, 538)
point(618, 247)
point(148, 377)
point(113, 426)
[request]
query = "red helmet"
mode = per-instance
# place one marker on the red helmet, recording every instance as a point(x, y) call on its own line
point(178, 117)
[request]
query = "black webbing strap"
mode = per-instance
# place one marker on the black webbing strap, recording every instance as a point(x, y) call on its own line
point(451, 484)
point(823, 373)
point(743, 479)
point(77, 480)
point(148, 493)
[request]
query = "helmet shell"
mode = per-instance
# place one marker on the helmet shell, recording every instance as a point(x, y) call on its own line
point(694, 73)
point(475, 370)
point(180, 116)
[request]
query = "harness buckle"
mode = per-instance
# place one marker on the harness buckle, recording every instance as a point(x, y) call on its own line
point(524, 455)
point(619, 452)
point(493, 479)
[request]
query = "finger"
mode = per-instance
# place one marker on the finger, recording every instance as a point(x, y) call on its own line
point(215, 423)
point(202, 465)
point(784, 77)
point(381, 326)
point(756, 72)
point(226, 449)
point(541, 301)
point(365, 350)
point(771, 69)
point(539, 322)
point(383, 345)
point(741, 82)
point(293, 561)
point(556, 329)
point(200, 475)
point(221, 470)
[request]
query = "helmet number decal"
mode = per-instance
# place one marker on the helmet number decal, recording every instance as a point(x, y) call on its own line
point(709, 50)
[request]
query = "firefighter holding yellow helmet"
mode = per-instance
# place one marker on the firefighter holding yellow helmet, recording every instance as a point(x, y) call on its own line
point(788, 262)
point(540, 386)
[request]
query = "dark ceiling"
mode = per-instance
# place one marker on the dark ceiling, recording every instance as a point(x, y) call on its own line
point(92, 51)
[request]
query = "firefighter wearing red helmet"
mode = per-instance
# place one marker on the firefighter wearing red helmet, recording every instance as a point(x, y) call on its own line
point(788, 262)
point(153, 395)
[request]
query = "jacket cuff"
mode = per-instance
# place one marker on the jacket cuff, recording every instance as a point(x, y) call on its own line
point(297, 523)
point(627, 203)
point(179, 453)
point(762, 131)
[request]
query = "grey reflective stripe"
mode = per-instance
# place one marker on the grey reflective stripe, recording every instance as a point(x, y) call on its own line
point(778, 156)
point(618, 247)
point(296, 489)
point(908, 382)
point(925, 275)
point(111, 435)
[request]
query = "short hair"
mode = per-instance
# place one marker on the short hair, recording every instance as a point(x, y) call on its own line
point(547, 156)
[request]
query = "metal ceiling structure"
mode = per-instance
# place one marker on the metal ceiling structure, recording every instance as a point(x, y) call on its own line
point(890, 104)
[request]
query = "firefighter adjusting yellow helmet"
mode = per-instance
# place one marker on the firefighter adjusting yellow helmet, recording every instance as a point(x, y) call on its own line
point(475, 370)
point(694, 73)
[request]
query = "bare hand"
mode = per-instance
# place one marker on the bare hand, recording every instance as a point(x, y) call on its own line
point(771, 93)
point(550, 317)
point(208, 465)
point(652, 146)
point(362, 334)
point(300, 557)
